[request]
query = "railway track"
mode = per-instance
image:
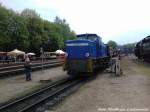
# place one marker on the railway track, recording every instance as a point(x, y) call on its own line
point(10, 70)
point(5, 64)
point(31, 102)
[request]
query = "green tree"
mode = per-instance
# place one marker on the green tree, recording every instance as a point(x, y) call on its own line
point(29, 13)
point(65, 30)
point(35, 29)
point(129, 47)
point(17, 31)
point(28, 32)
point(112, 44)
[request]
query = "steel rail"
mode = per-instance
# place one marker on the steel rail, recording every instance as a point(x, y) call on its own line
point(50, 96)
point(21, 65)
point(28, 102)
point(34, 67)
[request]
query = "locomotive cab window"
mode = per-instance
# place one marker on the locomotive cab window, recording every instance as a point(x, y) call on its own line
point(82, 37)
point(92, 38)
point(87, 37)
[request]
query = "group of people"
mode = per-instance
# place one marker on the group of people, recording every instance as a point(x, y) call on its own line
point(4, 58)
point(7, 59)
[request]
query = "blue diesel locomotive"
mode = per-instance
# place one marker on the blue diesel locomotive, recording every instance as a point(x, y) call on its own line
point(86, 54)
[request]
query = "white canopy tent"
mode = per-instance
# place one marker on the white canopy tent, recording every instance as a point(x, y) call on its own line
point(31, 54)
point(15, 53)
point(59, 52)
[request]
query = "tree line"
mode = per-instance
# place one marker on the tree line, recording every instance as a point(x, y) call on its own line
point(27, 31)
point(126, 48)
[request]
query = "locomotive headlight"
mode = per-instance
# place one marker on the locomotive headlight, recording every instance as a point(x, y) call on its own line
point(87, 54)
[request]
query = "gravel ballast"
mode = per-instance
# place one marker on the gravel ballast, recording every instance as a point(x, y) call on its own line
point(13, 87)
point(130, 92)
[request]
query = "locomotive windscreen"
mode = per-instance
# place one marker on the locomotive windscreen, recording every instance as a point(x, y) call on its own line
point(91, 37)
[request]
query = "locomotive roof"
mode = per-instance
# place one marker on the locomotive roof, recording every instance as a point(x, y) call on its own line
point(87, 34)
point(146, 39)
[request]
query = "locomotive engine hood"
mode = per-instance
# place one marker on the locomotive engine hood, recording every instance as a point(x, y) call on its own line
point(80, 49)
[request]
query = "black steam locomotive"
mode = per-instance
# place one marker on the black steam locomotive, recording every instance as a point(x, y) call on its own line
point(142, 49)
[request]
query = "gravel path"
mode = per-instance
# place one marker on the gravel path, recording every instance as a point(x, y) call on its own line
point(17, 86)
point(109, 94)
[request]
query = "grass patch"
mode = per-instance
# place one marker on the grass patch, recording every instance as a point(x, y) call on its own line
point(143, 68)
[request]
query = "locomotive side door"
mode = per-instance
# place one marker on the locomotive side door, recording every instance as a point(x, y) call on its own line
point(98, 43)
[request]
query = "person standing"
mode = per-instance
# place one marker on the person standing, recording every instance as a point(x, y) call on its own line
point(27, 67)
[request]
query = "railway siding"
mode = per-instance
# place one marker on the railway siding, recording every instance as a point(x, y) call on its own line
point(11, 70)
point(13, 87)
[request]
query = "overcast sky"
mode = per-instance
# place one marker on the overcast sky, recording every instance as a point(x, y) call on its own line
point(124, 21)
